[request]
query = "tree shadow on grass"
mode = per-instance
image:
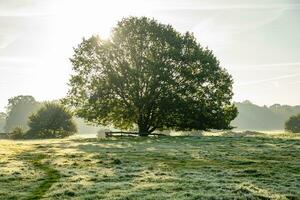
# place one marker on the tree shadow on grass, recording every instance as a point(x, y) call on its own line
point(185, 166)
point(51, 175)
point(218, 164)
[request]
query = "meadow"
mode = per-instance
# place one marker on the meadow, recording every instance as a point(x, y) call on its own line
point(225, 166)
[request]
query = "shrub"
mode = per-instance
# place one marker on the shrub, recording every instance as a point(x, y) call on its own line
point(293, 124)
point(17, 133)
point(51, 121)
point(48, 133)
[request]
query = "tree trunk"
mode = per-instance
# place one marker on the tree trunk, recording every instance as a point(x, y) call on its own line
point(143, 130)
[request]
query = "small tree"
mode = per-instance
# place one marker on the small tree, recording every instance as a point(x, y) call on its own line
point(293, 124)
point(149, 75)
point(51, 121)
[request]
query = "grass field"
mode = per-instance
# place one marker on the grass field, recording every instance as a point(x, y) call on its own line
point(207, 167)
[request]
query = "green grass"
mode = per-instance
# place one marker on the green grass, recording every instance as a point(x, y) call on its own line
point(208, 167)
point(51, 175)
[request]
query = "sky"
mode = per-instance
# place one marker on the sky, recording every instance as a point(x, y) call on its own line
point(257, 41)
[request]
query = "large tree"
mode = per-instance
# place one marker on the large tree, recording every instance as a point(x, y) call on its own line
point(19, 108)
point(148, 74)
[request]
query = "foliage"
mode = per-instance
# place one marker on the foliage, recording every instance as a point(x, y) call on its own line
point(17, 133)
point(51, 121)
point(149, 75)
point(19, 108)
point(293, 124)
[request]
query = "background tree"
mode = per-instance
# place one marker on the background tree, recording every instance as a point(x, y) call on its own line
point(149, 75)
point(51, 121)
point(2, 121)
point(17, 133)
point(293, 124)
point(19, 108)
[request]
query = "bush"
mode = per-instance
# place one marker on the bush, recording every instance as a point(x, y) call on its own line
point(17, 133)
point(51, 121)
point(44, 134)
point(293, 124)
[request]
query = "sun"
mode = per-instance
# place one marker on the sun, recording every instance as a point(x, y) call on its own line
point(94, 16)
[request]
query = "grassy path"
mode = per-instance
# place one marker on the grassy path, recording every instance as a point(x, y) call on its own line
point(51, 175)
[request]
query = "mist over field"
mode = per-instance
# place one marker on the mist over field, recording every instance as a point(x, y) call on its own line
point(263, 118)
point(251, 117)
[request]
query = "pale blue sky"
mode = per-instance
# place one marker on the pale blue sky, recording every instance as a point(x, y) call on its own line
point(258, 41)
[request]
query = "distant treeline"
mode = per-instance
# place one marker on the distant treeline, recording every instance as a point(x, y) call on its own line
point(250, 117)
point(21, 107)
point(268, 118)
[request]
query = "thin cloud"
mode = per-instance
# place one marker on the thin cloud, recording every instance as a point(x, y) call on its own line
point(264, 66)
point(25, 14)
point(212, 7)
point(248, 83)
point(27, 8)
point(294, 83)
point(5, 41)
point(17, 63)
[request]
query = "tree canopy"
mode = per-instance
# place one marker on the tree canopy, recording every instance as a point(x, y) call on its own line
point(151, 76)
point(293, 124)
point(51, 121)
point(19, 108)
